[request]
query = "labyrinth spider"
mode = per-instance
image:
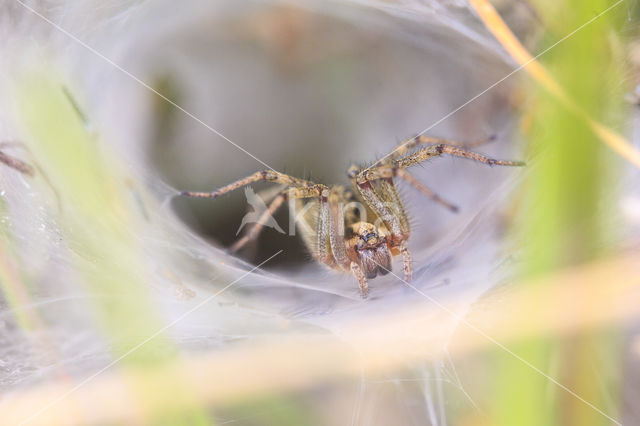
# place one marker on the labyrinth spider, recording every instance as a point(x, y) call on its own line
point(357, 231)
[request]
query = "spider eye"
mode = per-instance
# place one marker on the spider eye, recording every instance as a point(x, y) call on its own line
point(370, 235)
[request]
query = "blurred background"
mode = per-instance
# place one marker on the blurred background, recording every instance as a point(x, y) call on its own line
point(120, 304)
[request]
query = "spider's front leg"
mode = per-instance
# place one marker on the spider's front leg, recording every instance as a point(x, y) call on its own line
point(389, 171)
point(264, 175)
point(296, 188)
point(408, 145)
point(286, 194)
point(396, 167)
point(362, 280)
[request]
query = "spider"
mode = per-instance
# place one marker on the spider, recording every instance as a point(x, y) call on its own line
point(358, 231)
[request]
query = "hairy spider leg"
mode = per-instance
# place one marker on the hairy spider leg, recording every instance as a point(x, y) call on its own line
point(362, 280)
point(410, 144)
point(331, 248)
point(389, 170)
point(286, 194)
point(407, 146)
point(264, 175)
point(322, 251)
point(296, 188)
point(336, 230)
point(406, 261)
point(408, 177)
point(259, 225)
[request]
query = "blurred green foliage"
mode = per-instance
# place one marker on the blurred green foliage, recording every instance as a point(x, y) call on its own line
point(99, 222)
point(565, 220)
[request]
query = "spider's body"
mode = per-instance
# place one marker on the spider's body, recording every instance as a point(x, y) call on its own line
point(356, 231)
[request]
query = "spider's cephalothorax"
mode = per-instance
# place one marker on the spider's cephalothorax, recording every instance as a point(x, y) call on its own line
point(357, 231)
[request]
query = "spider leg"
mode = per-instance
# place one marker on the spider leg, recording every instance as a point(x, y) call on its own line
point(389, 170)
point(410, 144)
point(264, 175)
point(439, 149)
point(257, 228)
point(336, 231)
point(323, 252)
point(289, 193)
point(382, 197)
point(331, 245)
point(362, 280)
point(406, 261)
point(386, 172)
point(408, 177)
